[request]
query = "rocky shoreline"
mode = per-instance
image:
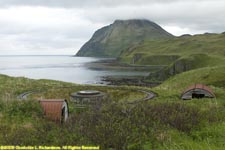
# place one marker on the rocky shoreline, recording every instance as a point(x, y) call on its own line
point(114, 64)
point(130, 81)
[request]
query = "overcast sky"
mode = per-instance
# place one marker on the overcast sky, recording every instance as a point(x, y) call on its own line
point(36, 27)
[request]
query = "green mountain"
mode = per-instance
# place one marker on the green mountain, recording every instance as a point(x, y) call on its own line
point(142, 42)
point(109, 41)
point(177, 54)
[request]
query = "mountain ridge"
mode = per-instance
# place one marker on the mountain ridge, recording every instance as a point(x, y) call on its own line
point(111, 40)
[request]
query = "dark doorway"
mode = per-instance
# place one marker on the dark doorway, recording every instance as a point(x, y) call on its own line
point(63, 115)
point(195, 95)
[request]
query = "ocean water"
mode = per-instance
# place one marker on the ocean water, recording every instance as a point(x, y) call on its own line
point(62, 68)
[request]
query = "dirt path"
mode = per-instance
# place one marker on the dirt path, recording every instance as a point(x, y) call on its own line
point(149, 95)
point(24, 95)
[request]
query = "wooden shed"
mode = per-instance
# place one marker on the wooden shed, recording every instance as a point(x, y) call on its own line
point(55, 109)
point(197, 91)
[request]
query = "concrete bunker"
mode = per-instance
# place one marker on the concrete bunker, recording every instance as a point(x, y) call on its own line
point(197, 91)
point(87, 97)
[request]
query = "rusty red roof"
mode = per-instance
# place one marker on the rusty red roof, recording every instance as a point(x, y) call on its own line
point(199, 86)
point(53, 108)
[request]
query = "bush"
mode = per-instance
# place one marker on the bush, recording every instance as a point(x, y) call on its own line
point(23, 109)
point(177, 115)
point(109, 127)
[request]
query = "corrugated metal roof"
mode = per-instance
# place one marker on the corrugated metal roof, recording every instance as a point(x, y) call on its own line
point(53, 108)
point(199, 86)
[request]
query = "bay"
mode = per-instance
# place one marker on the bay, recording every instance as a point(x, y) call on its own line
point(62, 68)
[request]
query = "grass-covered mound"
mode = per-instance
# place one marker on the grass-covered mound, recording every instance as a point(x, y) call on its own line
point(212, 76)
point(208, 133)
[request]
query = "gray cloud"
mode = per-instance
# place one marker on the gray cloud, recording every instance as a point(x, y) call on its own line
point(78, 3)
point(88, 3)
point(63, 26)
point(191, 17)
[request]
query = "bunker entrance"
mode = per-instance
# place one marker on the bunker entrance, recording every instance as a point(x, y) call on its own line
point(195, 95)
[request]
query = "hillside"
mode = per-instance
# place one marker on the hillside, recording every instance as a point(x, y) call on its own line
point(178, 54)
point(144, 43)
point(166, 122)
point(212, 76)
point(110, 40)
point(125, 119)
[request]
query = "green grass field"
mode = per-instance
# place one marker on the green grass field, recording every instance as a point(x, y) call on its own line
point(166, 122)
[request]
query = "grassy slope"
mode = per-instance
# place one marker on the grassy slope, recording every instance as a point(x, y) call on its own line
point(178, 54)
point(22, 122)
point(11, 87)
point(209, 136)
point(211, 76)
point(184, 45)
point(19, 119)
